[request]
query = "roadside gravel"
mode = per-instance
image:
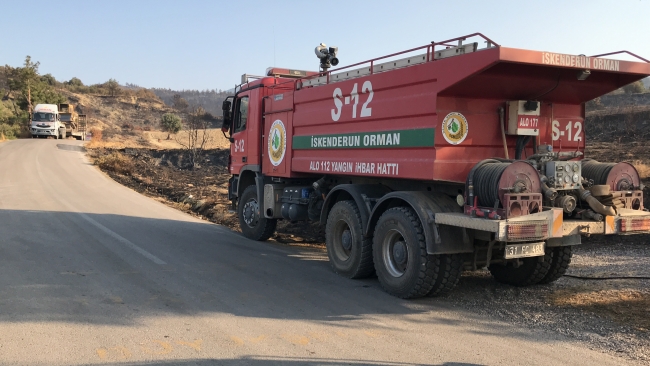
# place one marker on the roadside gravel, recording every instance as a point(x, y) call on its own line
point(610, 315)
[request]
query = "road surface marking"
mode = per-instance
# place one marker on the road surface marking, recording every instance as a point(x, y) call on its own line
point(119, 238)
point(238, 341)
point(166, 348)
point(257, 339)
point(124, 353)
point(101, 227)
point(196, 345)
point(103, 352)
point(298, 340)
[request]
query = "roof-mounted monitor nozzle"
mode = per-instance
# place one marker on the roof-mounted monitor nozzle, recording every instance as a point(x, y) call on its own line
point(327, 56)
point(583, 74)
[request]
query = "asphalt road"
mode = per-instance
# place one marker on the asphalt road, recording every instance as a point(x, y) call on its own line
point(92, 272)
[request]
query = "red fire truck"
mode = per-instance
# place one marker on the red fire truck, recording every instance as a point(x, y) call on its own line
point(432, 161)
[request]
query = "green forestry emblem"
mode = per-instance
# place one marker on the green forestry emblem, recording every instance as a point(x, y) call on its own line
point(277, 144)
point(454, 128)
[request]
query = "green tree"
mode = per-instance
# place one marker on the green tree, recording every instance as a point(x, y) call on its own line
point(29, 88)
point(113, 87)
point(179, 103)
point(48, 79)
point(75, 82)
point(197, 137)
point(171, 124)
point(5, 113)
point(22, 80)
point(634, 88)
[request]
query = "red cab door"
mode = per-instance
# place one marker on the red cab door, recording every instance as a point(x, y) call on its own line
point(238, 148)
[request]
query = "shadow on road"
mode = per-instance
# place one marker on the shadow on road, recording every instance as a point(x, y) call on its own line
point(94, 269)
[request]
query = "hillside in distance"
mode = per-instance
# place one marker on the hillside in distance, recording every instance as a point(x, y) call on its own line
point(210, 100)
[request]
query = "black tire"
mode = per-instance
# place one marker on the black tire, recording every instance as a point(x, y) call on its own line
point(559, 264)
point(253, 225)
point(531, 271)
point(449, 270)
point(403, 267)
point(350, 253)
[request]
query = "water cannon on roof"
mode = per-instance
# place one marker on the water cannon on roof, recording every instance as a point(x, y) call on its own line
point(327, 56)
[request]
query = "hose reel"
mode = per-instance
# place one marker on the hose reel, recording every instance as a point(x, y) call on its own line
point(619, 176)
point(513, 187)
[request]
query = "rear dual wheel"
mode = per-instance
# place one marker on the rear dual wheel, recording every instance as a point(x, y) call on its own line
point(559, 264)
point(403, 266)
point(534, 270)
point(529, 271)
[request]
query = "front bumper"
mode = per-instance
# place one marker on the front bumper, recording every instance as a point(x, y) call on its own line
point(550, 224)
point(43, 131)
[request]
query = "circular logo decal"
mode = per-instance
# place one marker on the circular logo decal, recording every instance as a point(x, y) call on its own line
point(454, 128)
point(277, 142)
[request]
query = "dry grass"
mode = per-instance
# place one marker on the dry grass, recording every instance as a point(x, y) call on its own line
point(643, 169)
point(117, 163)
point(96, 139)
point(97, 134)
point(154, 140)
point(159, 139)
point(626, 306)
point(117, 145)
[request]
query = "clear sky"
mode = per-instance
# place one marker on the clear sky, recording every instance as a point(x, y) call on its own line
point(210, 44)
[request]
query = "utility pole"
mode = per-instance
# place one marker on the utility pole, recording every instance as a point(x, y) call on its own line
point(29, 99)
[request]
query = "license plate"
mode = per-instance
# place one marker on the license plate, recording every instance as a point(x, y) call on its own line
point(524, 250)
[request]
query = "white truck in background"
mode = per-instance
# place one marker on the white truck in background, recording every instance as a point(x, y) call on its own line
point(47, 122)
point(59, 121)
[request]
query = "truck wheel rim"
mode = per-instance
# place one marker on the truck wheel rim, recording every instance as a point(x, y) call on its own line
point(251, 216)
point(395, 253)
point(343, 240)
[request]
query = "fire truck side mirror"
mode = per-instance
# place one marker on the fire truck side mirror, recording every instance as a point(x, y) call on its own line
point(226, 105)
point(227, 118)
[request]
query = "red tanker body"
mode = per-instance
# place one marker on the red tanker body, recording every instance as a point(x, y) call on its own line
point(421, 166)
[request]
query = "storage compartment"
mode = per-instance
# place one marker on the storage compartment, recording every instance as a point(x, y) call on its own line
point(523, 118)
